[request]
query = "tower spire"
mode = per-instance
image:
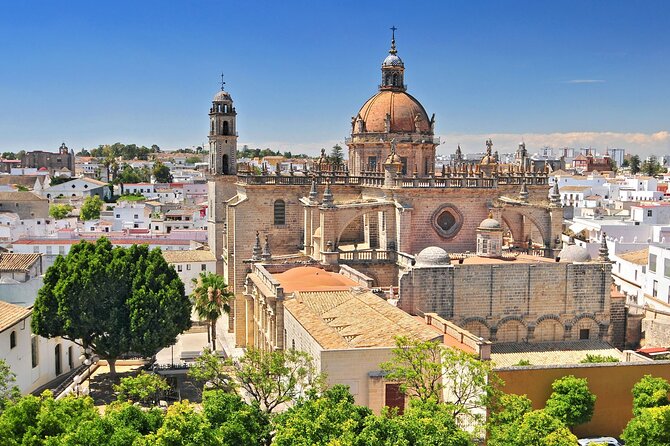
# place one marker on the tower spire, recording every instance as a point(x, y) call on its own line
point(393, 49)
point(222, 82)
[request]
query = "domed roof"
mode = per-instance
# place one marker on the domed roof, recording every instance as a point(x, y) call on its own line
point(222, 96)
point(490, 223)
point(488, 160)
point(574, 253)
point(432, 256)
point(392, 60)
point(403, 109)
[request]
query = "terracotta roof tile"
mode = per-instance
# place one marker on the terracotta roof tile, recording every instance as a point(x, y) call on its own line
point(351, 319)
point(17, 262)
point(10, 314)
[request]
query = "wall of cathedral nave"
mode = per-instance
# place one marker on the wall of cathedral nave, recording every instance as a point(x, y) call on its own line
point(508, 302)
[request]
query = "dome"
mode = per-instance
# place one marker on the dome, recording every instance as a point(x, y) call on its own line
point(490, 223)
point(392, 61)
point(432, 256)
point(574, 253)
point(403, 109)
point(222, 96)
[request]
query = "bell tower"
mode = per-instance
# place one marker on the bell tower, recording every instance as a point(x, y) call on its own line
point(222, 134)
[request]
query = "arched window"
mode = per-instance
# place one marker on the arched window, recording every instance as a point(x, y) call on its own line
point(225, 127)
point(12, 339)
point(280, 212)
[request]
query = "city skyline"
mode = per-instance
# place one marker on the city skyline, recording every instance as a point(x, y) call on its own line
point(575, 74)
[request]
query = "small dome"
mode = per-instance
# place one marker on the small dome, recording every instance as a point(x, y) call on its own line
point(392, 61)
point(574, 253)
point(432, 256)
point(490, 223)
point(222, 96)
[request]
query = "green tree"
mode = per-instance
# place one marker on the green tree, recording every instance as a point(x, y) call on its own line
point(277, 377)
point(122, 424)
point(634, 164)
point(59, 180)
point(539, 428)
point(571, 401)
point(425, 369)
point(161, 173)
point(113, 300)
point(211, 298)
point(193, 159)
point(424, 423)
point(650, 428)
point(44, 420)
point(59, 211)
point(330, 419)
point(183, 426)
point(650, 392)
point(141, 388)
point(625, 163)
point(336, 157)
point(214, 371)
point(236, 422)
point(595, 359)
point(8, 155)
point(651, 166)
point(8, 390)
point(90, 210)
point(503, 425)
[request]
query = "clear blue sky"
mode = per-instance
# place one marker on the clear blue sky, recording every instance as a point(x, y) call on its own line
point(89, 73)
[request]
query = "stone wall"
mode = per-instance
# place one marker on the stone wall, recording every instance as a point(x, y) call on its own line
point(511, 301)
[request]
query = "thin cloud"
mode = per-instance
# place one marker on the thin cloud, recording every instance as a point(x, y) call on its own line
point(584, 81)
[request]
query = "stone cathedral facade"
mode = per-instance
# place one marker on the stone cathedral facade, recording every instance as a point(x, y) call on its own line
point(478, 244)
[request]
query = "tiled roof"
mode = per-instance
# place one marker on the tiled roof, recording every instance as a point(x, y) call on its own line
point(10, 314)
point(20, 196)
point(17, 262)
point(549, 353)
point(193, 255)
point(310, 278)
point(351, 319)
point(640, 257)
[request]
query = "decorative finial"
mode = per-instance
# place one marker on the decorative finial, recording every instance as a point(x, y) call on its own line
point(267, 255)
point(523, 194)
point(555, 195)
point(256, 253)
point(312, 192)
point(603, 251)
point(393, 50)
point(328, 201)
point(222, 82)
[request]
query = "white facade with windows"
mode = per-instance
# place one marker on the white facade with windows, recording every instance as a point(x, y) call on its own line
point(33, 359)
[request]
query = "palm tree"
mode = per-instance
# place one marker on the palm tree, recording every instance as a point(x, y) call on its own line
point(211, 298)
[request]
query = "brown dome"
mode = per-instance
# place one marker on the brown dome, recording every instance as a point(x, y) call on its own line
point(403, 109)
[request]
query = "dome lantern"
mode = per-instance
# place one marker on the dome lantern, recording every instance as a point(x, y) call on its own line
point(393, 69)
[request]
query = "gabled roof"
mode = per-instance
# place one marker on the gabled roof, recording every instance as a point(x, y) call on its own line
point(20, 196)
point(17, 262)
point(11, 314)
point(354, 319)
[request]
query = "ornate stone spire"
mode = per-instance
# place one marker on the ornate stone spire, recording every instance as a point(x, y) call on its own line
point(256, 252)
point(267, 255)
point(603, 251)
point(555, 195)
point(327, 201)
point(313, 192)
point(523, 193)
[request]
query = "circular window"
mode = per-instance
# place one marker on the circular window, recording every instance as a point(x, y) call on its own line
point(447, 221)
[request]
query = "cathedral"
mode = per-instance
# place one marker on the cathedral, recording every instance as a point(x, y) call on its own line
point(480, 245)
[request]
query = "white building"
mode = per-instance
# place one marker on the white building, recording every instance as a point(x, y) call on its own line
point(33, 359)
point(189, 264)
point(77, 188)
